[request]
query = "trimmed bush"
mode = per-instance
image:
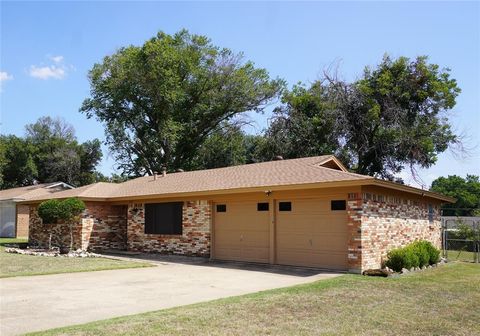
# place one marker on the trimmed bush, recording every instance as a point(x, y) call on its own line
point(418, 254)
point(402, 258)
point(49, 211)
point(433, 252)
point(420, 249)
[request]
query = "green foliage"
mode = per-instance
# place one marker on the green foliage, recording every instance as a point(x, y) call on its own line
point(53, 210)
point(392, 117)
point(48, 153)
point(305, 125)
point(162, 100)
point(421, 250)
point(49, 211)
point(468, 232)
point(70, 208)
point(17, 167)
point(417, 254)
point(465, 190)
point(401, 258)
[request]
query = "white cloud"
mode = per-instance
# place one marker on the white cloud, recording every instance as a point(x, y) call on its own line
point(57, 70)
point(47, 72)
point(4, 76)
point(57, 59)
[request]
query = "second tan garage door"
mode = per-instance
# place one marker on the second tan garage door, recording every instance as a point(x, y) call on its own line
point(241, 232)
point(309, 233)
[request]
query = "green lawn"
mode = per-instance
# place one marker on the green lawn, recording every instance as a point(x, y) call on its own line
point(454, 255)
point(12, 265)
point(438, 301)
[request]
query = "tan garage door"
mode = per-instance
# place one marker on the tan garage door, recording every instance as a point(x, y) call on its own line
point(241, 232)
point(311, 234)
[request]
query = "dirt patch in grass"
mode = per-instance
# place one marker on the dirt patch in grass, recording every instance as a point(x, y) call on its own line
point(437, 301)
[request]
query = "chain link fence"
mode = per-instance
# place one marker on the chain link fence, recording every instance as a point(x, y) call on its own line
point(457, 245)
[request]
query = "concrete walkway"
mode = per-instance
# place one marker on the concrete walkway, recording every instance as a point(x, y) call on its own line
point(48, 301)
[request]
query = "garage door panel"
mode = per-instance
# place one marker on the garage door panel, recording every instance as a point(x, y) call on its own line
point(311, 234)
point(243, 228)
point(228, 253)
point(256, 238)
point(308, 259)
point(259, 254)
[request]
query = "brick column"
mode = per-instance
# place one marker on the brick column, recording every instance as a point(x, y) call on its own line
point(354, 224)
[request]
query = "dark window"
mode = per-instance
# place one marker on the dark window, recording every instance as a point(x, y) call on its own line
point(338, 205)
point(262, 206)
point(430, 213)
point(221, 208)
point(285, 206)
point(163, 218)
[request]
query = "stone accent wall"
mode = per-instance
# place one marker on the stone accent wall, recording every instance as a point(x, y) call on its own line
point(100, 227)
point(23, 218)
point(379, 224)
point(194, 240)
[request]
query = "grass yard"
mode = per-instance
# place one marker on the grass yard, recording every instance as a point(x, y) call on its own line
point(441, 301)
point(12, 265)
point(454, 255)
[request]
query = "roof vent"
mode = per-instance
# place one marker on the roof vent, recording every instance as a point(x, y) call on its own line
point(278, 158)
point(180, 170)
point(164, 171)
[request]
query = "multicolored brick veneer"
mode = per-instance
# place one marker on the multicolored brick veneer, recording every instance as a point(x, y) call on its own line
point(379, 223)
point(100, 227)
point(194, 240)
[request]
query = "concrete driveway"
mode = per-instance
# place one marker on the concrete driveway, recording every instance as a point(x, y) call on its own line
point(42, 302)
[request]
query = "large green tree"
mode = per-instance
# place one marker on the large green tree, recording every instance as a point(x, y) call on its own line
point(17, 165)
point(49, 152)
point(59, 156)
point(227, 146)
point(162, 100)
point(392, 117)
point(465, 190)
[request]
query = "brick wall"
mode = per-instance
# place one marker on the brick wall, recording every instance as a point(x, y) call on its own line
point(100, 227)
point(195, 238)
point(23, 218)
point(59, 233)
point(379, 223)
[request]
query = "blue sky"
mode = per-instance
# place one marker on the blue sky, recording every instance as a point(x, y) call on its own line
point(47, 49)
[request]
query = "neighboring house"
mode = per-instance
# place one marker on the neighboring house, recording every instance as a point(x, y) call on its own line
point(14, 218)
point(303, 212)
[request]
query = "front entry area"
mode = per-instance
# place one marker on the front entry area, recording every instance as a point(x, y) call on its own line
point(306, 232)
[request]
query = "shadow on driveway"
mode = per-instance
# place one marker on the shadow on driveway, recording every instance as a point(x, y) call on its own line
point(239, 265)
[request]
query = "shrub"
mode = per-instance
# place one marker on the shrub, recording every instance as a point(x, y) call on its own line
point(402, 258)
point(433, 252)
point(418, 254)
point(420, 249)
point(70, 208)
point(49, 211)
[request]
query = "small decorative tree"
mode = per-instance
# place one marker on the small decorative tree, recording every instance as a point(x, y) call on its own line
point(471, 233)
point(67, 210)
point(48, 212)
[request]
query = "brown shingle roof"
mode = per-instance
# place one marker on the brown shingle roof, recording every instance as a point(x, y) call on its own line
point(265, 174)
point(273, 174)
point(28, 192)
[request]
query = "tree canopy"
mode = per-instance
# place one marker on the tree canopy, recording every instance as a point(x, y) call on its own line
point(393, 117)
point(49, 152)
point(465, 190)
point(160, 101)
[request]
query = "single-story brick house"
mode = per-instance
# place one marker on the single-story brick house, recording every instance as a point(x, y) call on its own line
point(306, 212)
point(14, 218)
